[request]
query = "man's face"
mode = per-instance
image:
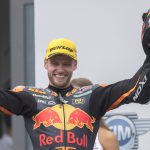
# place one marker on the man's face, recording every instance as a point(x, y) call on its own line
point(60, 69)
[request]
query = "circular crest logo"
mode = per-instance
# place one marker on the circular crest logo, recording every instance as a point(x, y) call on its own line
point(124, 129)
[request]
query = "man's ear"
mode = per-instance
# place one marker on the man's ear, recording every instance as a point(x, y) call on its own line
point(45, 63)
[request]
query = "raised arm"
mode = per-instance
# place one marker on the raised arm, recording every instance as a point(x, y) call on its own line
point(136, 89)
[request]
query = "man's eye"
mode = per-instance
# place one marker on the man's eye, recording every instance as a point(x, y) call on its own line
point(67, 64)
point(54, 63)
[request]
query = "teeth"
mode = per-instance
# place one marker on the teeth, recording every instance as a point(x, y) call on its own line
point(60, 76)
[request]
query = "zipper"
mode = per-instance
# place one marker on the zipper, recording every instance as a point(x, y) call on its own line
point(62, 102)
point(65, 135)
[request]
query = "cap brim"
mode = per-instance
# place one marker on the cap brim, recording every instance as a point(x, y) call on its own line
point(58, 52)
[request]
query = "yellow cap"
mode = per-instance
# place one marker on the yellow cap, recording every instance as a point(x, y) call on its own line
point(61, 46)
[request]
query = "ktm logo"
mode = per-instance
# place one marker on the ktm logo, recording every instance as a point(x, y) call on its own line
point(71, 92)
point(36, 90)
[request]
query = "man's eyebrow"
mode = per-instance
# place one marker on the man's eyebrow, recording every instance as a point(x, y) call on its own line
point(52, 61)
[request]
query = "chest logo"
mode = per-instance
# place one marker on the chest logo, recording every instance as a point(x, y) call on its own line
point(78, 101)
point(53, 116)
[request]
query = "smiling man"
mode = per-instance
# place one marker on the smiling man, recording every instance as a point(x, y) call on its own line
point(60, 69)
point(60, 62)
point(62, 117)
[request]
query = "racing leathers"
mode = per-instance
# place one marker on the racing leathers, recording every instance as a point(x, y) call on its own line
point(68, 119)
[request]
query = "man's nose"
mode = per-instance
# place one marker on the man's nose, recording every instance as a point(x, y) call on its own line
point(60, 68)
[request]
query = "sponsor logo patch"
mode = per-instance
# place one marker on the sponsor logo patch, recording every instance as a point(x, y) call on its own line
point(83, 94)
point(42, 96)
point(78, 101)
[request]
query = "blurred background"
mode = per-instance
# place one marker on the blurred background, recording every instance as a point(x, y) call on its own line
point(16, 63)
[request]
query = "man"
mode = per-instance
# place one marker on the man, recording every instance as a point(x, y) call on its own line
point(61, 117)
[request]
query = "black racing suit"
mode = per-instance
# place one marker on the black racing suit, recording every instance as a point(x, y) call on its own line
point(68, 119)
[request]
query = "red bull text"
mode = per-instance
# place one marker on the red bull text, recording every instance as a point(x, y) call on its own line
point(71, 139)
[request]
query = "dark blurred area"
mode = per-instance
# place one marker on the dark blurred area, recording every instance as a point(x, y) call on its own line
point(5, 121)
